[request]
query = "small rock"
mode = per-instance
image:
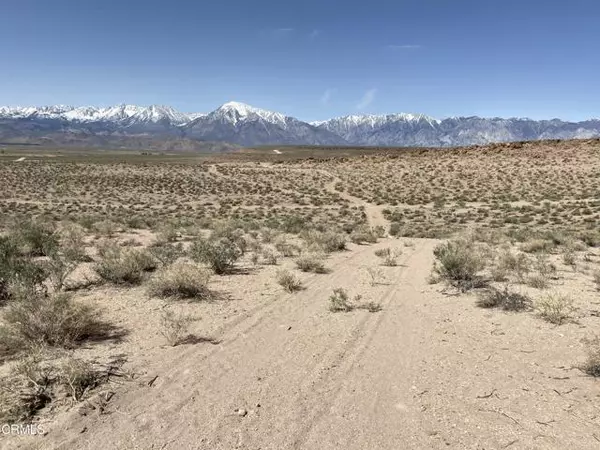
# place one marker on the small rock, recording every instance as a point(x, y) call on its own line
point(241, 412)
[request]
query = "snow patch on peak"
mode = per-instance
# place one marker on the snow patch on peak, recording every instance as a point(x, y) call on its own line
point(235, 112)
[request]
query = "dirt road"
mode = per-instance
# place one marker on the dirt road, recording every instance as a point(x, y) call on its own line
point(428, 371)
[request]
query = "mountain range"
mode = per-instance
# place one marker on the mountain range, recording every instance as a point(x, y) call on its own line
point(237, 124)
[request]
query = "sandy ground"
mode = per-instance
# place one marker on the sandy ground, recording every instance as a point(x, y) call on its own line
point(428, 371)
point(280, 371)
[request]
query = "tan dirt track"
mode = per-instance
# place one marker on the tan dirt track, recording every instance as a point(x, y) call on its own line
point(428, 371)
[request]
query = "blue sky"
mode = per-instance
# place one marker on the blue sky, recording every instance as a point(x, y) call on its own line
point(312, 59)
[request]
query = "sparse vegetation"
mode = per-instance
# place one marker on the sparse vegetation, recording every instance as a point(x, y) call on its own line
point(290, 282)
point(53, 320)
point(182, 281)
point(311, 262)
point(459, 263)
point(505, 299)
point(592, 363)
point(220, 255)
point(175, 327)
point(125, 266)
point(339, 301)
point(389, 257)
point(555, 308)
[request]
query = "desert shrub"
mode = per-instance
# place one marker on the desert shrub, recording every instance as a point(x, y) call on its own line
point(537, 245)
point(167, 233)
point(269, 257)
point(590, 238)
point(174, 327)
point(58, 268)
point(592, 363)
point(53, 320)
point(125, 266)
point(106, 228)
point(339, 301)
point(290, 282)
point(268, 235)
point(78, 377)
point(509, 262)
point(376, 275)
point(543, 266)
point(372, 307)
point(285, 248)
point(596, 278)
point(328, 241)
point(505, 299)
point(17, 271)
point(555, 308)
point(379, 231)
point(389, 257)
point(220, 255)
point(73, 244)
point(363, 235)
point(570, 258)
point(33, 382)
point(395, 229)
point(311, 262)
point(459, 262)
point(37, 239)
point(26, 390)
point(167, 254)
point(538, 281)
point(181, 280)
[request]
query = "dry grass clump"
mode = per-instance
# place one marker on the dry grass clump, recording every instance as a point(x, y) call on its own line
point(592, 364)
point(290, 282)
point(78, 377)
point(537, 246)
point(125, 266)
point(286, 248)
point(555, 308)
point(17, 272)
point(538, 281)
point(340, 301)
point(36, 238)
point(364, 235)
point(328, 242)
point(175, 327)
point(219, 254)
point(389, 257)
point(34, 382)
point(376, 275)
point(311, 262)
point(181, 281)
point(508, 263)
point(269, 257)
point(505, 299)
point(459, 263)
point(52, 320)
point(596, 279)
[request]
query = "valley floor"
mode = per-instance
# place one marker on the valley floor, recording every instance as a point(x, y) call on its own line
point(427, 371)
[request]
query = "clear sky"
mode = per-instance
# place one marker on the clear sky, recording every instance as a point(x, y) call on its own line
point(312, 59)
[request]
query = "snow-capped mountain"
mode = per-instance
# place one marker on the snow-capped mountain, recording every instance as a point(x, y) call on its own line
point(420, 130)
point(242, 124)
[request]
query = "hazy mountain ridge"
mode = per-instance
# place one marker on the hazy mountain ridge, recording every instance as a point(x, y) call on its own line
point(242, 124)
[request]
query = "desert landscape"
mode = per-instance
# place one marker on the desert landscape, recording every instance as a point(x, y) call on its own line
point(301, 297)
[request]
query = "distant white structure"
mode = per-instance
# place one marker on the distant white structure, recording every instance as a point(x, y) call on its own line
point(277, 152)
point(21, 159)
